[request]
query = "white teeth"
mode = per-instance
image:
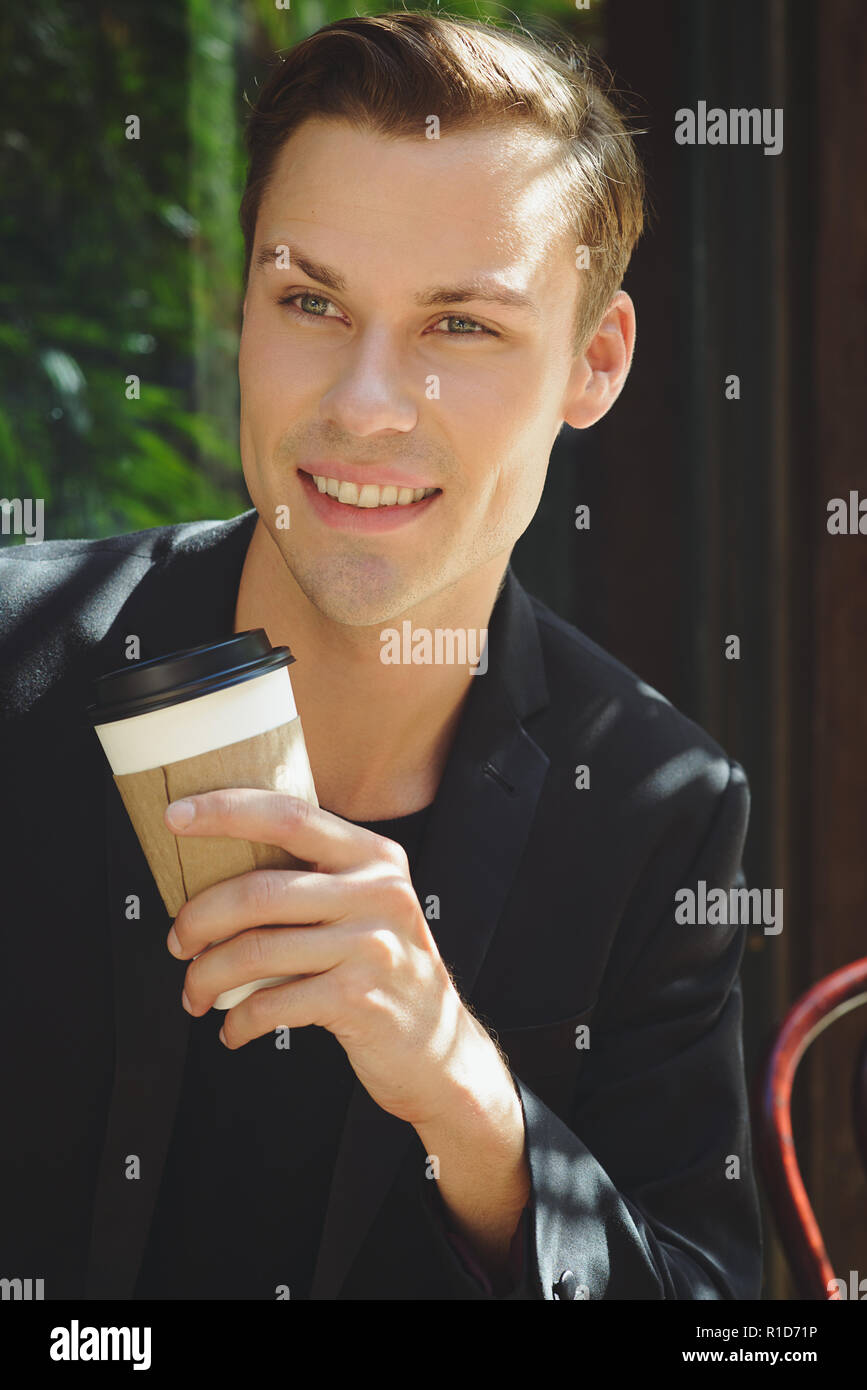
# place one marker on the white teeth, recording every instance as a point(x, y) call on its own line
point(370, 494)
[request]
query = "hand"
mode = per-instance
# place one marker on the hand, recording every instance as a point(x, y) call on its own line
point(353, 927)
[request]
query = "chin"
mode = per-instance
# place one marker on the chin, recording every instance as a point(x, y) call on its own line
point(356, 592)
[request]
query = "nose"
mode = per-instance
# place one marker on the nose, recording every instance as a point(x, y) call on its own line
point(373, 391)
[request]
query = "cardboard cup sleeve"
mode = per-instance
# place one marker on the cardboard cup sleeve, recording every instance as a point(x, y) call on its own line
point(183, 865)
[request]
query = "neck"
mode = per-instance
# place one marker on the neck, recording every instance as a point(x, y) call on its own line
point(378, 735)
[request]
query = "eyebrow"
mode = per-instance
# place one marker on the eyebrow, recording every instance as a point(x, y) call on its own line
point(479, 288)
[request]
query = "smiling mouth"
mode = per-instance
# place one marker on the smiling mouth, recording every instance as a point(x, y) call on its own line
point(369, 495)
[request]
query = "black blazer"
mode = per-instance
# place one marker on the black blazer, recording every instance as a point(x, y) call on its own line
point(557, 908)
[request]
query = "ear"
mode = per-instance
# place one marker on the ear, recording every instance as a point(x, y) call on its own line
point(599, 372)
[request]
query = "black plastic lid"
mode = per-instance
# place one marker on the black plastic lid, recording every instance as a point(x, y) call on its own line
point(179, 676)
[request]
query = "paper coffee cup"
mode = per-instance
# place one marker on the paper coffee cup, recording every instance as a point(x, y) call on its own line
point(220, 715)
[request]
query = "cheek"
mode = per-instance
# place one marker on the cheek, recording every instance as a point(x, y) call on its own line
point(504, 405)
point(517, 488)
point(504, 426)
point(270, 379)
point(258, 358)
point(480, 420)
point(250, 346)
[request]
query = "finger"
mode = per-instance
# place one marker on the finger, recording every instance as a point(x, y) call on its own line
point(294, 1005)
point(274, 818)
point(259, 898)
point(263, 953)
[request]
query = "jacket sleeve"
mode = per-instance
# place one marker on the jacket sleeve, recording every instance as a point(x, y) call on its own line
point(645, 1190)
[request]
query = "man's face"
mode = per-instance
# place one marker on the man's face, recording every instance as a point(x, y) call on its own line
point(364, 383)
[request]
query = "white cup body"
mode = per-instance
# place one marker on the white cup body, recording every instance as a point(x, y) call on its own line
point(200, 725)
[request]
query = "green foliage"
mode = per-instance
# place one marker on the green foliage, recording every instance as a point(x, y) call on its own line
point(97, 248)
point(122, 257)
point(283, 27)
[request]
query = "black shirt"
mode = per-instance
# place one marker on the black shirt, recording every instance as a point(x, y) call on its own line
point(240, 1209)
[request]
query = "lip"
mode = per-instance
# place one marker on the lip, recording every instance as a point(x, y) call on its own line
point(365, 519)
point(372, 473)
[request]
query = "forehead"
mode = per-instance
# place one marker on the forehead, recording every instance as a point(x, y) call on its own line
point(484, 194)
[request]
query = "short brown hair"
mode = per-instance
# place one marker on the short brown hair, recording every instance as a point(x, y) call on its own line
point(387, 73)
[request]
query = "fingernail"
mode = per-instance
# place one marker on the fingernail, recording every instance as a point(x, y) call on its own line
point(186, 1003)
point(173, 943)
point(221, 1035)
point(180, 813)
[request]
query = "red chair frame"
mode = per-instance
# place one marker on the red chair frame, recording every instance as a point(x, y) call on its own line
point(773, 1140)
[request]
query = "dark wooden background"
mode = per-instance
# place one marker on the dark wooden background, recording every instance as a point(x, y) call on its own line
point(708, 516)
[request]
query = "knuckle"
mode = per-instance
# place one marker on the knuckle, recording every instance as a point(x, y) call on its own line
point(222, 803)
point(399, 894)
point(381, 948)
point(295, 811)
point(262, 890)
point(342, 988)
point(252, 950)
point(259, 1004)
point(394, 854)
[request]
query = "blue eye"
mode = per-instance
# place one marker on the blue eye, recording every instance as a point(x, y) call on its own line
point(304, 294)
point(459, 318)
point(289, 301)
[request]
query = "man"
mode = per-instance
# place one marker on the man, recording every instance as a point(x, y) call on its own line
point(512, 1073)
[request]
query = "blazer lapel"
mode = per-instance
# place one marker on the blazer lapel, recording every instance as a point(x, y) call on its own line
point(479, 824)
point(187, 597)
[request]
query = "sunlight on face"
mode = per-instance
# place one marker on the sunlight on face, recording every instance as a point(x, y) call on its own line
point(464, 396)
